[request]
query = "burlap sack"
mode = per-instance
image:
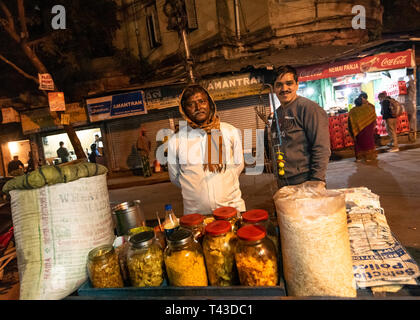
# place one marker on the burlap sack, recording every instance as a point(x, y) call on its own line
point(314, 241)
point(55, 228)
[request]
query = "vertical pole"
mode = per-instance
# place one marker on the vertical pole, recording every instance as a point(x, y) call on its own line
point(188, 55)
point(237, 22)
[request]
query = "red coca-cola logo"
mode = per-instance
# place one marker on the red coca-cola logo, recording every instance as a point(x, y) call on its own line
point(394, 61)
point(311, 72)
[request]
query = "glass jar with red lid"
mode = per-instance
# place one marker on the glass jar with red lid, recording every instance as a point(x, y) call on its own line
point(255, 257)
point(219, 252)
point(229, 214)
point(261, 217)
point(195, 223)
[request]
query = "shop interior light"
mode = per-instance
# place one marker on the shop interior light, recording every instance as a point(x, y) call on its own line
point(13, 148)
point(348, 91)
point(309, 91)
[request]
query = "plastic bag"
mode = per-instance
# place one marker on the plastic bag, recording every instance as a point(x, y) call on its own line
point(314, 241)
point(55, 228)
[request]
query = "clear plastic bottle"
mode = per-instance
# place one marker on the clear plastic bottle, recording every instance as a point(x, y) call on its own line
point(171, 223)
point(255, 257)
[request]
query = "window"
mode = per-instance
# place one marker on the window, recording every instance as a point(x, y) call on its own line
point(153, 27)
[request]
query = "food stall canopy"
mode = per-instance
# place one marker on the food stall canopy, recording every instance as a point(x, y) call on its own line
point(379, 62)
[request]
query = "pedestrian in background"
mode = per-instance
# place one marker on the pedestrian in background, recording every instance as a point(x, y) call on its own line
point(143, 148)
point(362, 122)
point(15, 167)
point(390, 121)
point(63, 153)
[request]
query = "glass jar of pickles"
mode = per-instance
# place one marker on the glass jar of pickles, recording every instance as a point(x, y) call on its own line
point(145, 260)
point(184, 260)
point(219, 252)
point(260, 217)
point(255, 257)
point(229, 214)
point(195, 223)
point(103, 268)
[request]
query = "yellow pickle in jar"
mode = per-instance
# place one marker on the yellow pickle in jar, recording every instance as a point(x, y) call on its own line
point(104, 268)
point(261, 217)
point(219, 252)
point(255, 257)
point(145, 260)
point(184, 260)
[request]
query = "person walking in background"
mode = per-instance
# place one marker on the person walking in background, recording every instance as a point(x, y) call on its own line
point(63, 153)
point(143, 147)
point(390, 121)
point(362, 122)
point(15, 167)
point(365, 100)
point(94, 153)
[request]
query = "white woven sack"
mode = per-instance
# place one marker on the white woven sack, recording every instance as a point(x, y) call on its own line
point(55, 228)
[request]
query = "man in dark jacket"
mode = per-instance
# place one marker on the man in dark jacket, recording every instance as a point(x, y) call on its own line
point(303, 126)
point(390, 121)
point(63, 153)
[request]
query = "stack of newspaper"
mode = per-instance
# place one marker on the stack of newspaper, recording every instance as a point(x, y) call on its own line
point(378, 258)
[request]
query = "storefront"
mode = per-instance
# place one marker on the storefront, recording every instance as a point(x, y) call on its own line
point(45, 133)
point(157, 108)
point(335, 86)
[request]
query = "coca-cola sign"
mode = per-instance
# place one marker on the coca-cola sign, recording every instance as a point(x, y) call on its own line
point(397, 61)
point(378, 62)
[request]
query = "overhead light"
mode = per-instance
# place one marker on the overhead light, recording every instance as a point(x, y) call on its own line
point(347, 91)
point(309, 91)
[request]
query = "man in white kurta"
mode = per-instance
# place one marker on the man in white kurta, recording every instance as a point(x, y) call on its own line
point(207, 176)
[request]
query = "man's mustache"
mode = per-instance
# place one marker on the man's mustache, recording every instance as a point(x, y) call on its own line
point(283, 92)
point(199, 111)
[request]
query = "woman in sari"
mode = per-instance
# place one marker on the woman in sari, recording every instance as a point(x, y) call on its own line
point(362, 122)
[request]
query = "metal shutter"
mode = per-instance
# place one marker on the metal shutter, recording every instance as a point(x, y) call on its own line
point(123, 135)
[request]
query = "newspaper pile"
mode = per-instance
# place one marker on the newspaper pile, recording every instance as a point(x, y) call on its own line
point(378, 257)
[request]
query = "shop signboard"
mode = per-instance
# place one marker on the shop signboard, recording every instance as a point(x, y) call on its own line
point(384, 61)
point(116, 106)
point(56, 101)
point(9, 115)
point(162, 97)
point(46, 82)
point(40, 120)
point(235, 86)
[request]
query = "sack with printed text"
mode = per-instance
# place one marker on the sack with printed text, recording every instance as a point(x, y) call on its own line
point(55, 228)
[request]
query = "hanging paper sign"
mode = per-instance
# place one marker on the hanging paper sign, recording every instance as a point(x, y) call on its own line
point(45, 81)
point(56, 101)
point(65, 119)
point(10, 115)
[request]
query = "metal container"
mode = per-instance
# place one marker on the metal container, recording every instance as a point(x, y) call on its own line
point(128, 215)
